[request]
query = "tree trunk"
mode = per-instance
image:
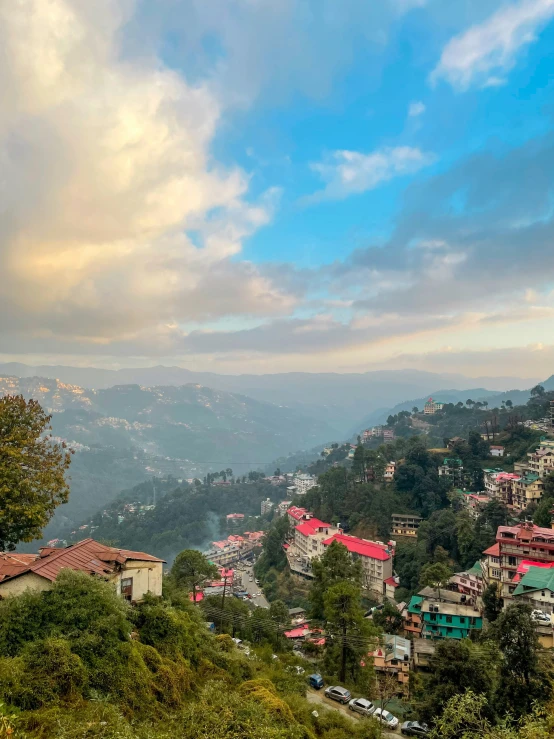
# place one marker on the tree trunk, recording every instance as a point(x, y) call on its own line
point(342, 676)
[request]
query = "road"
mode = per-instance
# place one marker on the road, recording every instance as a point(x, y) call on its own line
point(318, 697)
point(252, 588)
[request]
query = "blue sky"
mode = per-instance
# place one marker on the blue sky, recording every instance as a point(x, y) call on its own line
point(272, 185)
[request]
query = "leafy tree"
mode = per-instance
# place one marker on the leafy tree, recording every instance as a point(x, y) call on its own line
point(435, 576)
point(346, 625)
point(191, 570)
point(32, 471)
point(542, 516)
point(335, 566)
point(388, 618)
point(522, 680)
point(494, 514)
point(415, 409)
point(492, 602)
point(279, 612)
point(538, 391)
point(455, 667)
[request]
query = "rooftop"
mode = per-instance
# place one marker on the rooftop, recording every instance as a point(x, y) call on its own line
point(523, 531)
point(363, 547)
point(494, 551)
point(311, 527)
point(536, 578)
point(449, 609)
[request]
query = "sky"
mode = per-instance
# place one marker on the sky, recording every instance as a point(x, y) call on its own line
point(278, 185)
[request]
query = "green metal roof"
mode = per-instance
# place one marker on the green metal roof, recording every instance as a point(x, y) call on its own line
point(536, 578)
point(415, 601)
point(476, 569)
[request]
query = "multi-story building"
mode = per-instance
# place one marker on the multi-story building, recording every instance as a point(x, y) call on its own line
point(393, 658)
point(491, 568)
point(474, 503)
point(413, 623)
point(432, 406)
point(541, 461)
point(310, 536)
point(405, 524)
point(265, 506)
point(499, 484)
point(528, 489)
point(390, 469)
point(470, 582)
point(516, 544)
point(235, 519)
point(303, 483)
point(376, 559)
point(453, 468)
point(536, 588)
point(388, 435)
point(448, 620)
point(282, 507)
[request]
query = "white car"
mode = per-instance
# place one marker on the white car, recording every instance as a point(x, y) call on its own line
point(540, 618)
point(386, 718)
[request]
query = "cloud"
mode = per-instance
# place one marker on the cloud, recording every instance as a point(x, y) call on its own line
point(416, 108)
point(352, 172)
point(483, 51)
point(116, 220)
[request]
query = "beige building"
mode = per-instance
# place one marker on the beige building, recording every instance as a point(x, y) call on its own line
point(133, 573)
point(376, 559)
point(526, 490)
point(405, 524)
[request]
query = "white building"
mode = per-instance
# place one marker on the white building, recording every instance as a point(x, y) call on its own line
point(303, 483)
point(376, 558)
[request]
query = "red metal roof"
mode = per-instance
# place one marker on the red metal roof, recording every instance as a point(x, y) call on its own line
point(297, 513)
point(523, 529)
point(302, 630)
point(391, 581)
point(362, 547)
point(494, 551)
point(85, 556)
point(12, 564)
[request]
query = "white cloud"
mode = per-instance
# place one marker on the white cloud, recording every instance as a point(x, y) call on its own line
point(492, 46)
point(351, 172)
point(105, 170)
point(416, 108)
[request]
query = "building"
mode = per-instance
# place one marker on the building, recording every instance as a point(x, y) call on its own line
point(527, 489)
point(432, 406)
point(282, 507)
point(390, 469)
point(452, 467)
point(536, 588)
point(309, 537)
point(297, 514)
point(491, 564)
point(541, 461)
point(422, 651)
point(266, 506)
point(448, 620)
point(376, 559)
point(497, 451)
point(405, 524)
point(453, 441)
point(499, 484)
point(470, 582)
point(297, 613)
point(516, 544)
point(393, 658)
point(134, 574)
point(474, 503)
point(235, 519)
point(388, 435)
point(413, 623)
point(303, 483)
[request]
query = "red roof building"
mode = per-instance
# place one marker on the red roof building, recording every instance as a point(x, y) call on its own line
point(134, 573)
point(376, 559)
point(517, 544)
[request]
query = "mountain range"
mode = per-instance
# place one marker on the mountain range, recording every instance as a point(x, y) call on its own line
point(342, 401)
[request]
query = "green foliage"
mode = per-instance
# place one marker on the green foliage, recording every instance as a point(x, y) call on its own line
point(522, 679)
point(388, 619)
point(492, 602)
point(435, 575)
point(456, 667)
point(191, 570)
point(32, 471)
point(334, 567)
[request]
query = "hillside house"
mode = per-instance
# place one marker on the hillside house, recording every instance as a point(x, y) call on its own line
point(393, 658)
point(134, 574)
point(376, 559)
point(516, 544)
point(536, 588)
point(497, 450)
point(405, 524)
point(432, 406)
point(448, 620)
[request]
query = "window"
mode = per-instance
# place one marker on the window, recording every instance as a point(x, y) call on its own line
point(127, 588)
point(433, 616)
point(449, 630)
point(496, 573)
point(449, 619)
point(462, 619)
point(543, 593)
point(512, 561)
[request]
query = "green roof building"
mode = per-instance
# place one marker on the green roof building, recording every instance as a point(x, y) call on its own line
point(536, 588)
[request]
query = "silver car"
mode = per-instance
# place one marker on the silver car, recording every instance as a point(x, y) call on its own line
point(336, 693)
point(361, 705)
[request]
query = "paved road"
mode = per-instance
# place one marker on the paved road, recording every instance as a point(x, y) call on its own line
point(318, 697)
point(252, 588)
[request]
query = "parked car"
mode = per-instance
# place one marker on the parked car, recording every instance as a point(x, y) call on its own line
point(315, 681)
point(361, 705)
point(386, 718)
point(414, 728)
point(540, 618)
point(336, 693)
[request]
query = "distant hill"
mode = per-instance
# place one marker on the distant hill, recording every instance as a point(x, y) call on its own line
point(339, 400)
